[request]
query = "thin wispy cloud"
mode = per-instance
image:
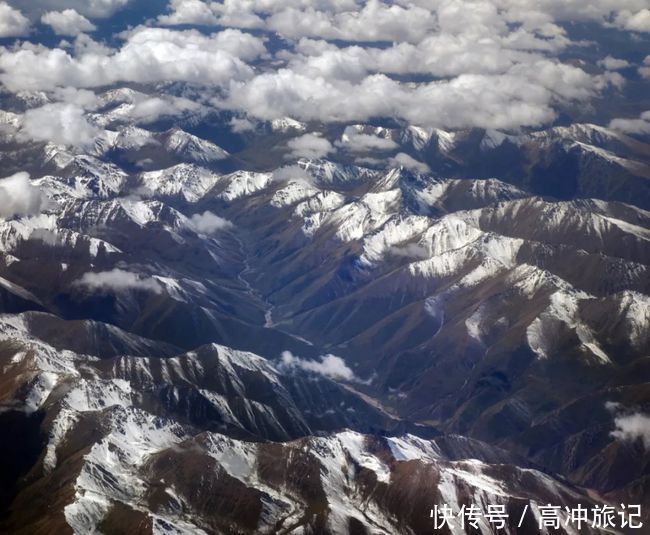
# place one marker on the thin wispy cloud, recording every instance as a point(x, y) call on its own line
point(118, 280)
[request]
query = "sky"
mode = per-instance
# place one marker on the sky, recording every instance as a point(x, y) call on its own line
point(450, 64)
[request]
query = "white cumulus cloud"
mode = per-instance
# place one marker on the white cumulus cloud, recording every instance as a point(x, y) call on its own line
point(149, 55)
point(19, 197)
point(189, 12)
point(408, 162)
point(613, 64)
point(12, 22)
point(67, 22)
point(630, 426)
point(632, 126)
point(292, 173)
point(312, 146)
point(118, 280)
point(89, 8)
point(354, 140)
point(209, 223)
point(60, 123)
point(499, 64)
point(636, 22)
point(329, 365)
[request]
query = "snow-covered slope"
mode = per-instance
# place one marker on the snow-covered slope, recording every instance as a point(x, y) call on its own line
point(246, 343)
point(188, 147)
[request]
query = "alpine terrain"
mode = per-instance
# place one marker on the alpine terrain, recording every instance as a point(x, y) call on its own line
point(324, 267)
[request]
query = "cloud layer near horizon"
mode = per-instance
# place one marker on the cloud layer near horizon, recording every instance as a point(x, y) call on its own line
point(449, 64)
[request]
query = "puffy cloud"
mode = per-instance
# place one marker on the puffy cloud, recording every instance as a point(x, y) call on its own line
point(632, 126)
point(521, 98)
point(491, 62)
point(601, 11)
point(408, 162)
point(636, 22)
point(89, 8)
point(12, 22)
point(233, 42)
point(67, 22)
point(149, 55)
point(209, 223)
point(151, 109)
point(189, 12)
point(613, 64)
point(375, 21)
point(409, 20)
point(235, 13)
point(633, 427)
point(495, 65)
point(440, 55)
point(630, 426)
point(60, 123)
point(312, 146)
point(19, 197)
point(329, 365)
point(292, 173)
point(354, 140)
point(118, 280)
point(487, 74)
